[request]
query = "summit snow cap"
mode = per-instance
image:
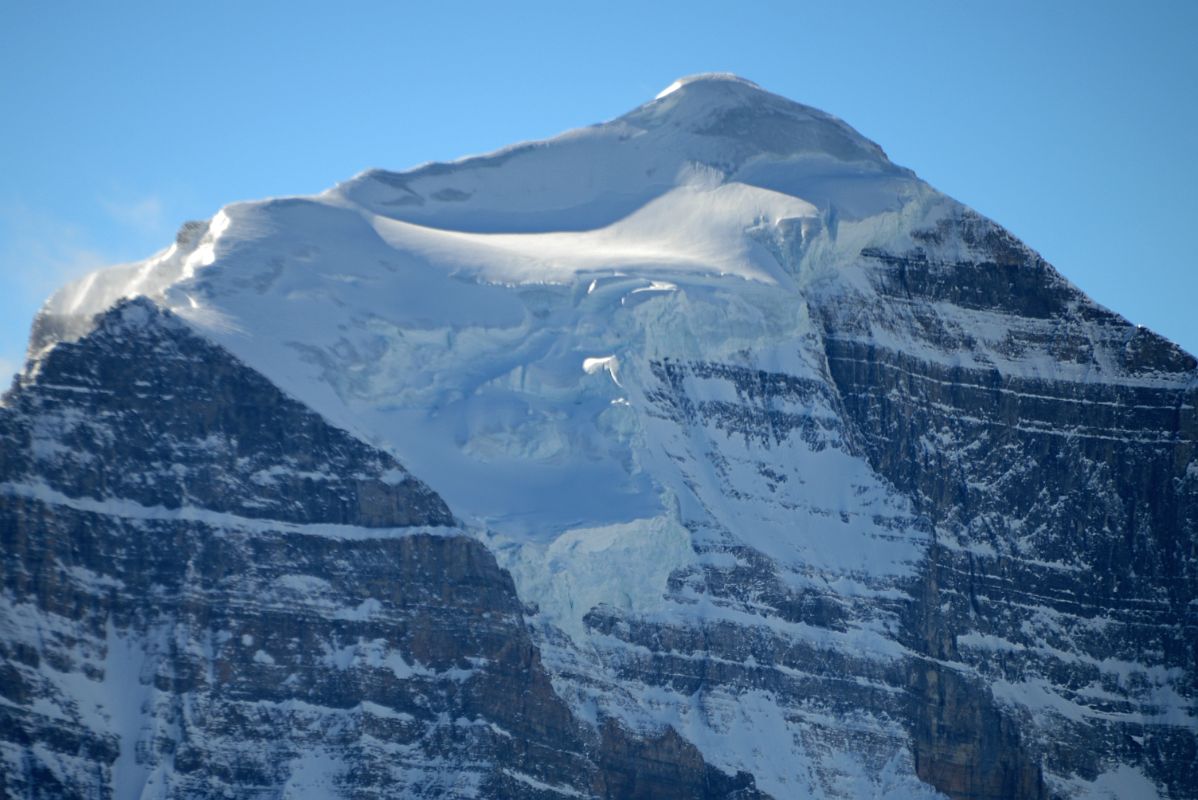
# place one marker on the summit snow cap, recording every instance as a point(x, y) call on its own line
point(703, 181)
point(706, 77)
point(723, 105)
point(592, 177)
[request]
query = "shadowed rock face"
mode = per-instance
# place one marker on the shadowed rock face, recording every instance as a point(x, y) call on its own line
point(199, 601)
point(141, 410)
point(1065, 513)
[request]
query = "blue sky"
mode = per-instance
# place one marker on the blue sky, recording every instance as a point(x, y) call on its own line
point(1071, 123)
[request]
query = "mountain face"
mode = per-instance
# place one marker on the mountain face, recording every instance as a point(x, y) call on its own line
point(700, 453)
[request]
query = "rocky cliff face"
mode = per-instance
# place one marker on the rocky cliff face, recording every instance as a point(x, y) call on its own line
point(702, 453)
point(1063, 574)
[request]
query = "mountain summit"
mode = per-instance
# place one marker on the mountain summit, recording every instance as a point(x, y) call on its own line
point(726, 126)
point(703, 452)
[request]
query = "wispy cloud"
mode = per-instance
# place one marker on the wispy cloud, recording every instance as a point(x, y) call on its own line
point(39, 253)
point(8, 368)
point(145, 215)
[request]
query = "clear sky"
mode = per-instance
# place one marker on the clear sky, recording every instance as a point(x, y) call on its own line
point(1074, 124)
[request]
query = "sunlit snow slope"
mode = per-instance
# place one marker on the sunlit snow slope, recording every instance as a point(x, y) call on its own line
point(448, 311)
point(770, 434)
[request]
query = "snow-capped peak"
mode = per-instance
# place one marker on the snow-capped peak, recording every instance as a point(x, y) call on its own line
point(686, 80)
point(751, 122)
point(697, 182)
point(700, 377)
point(591, 178)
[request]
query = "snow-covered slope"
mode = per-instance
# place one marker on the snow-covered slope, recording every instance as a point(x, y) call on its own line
point(478, 289)
point(724, 390)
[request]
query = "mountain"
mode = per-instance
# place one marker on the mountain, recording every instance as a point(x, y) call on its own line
point(700, 453)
